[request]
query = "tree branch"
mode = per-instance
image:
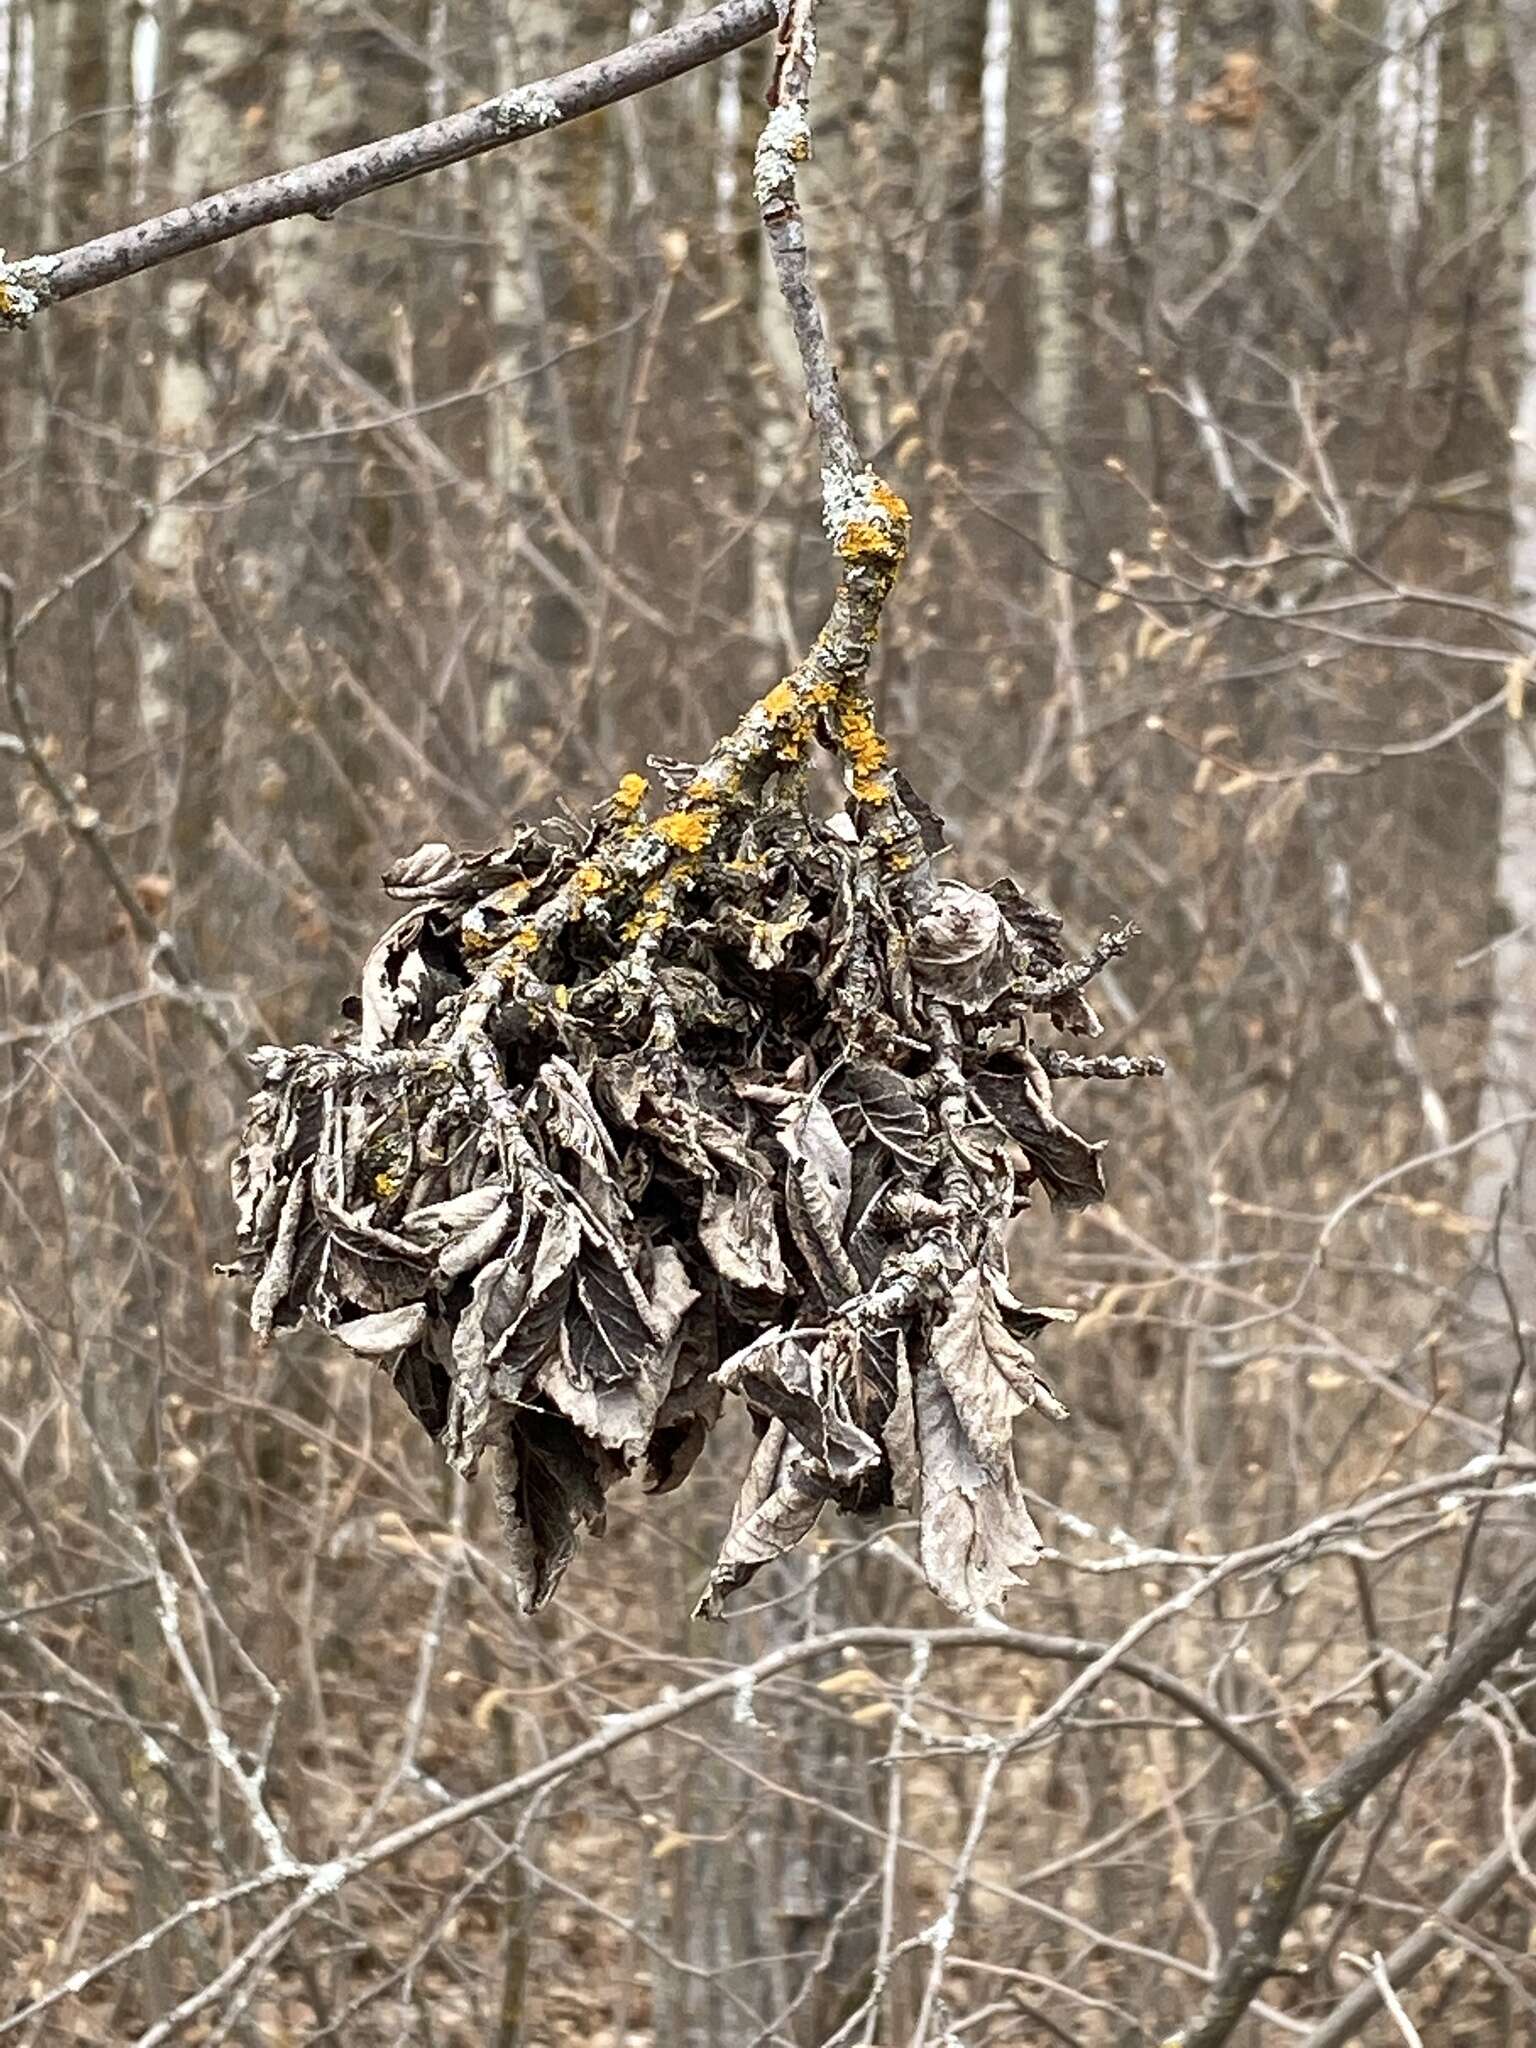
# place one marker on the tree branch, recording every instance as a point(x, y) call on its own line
point(34, 282)
point(1318, 1815)
point(1411, 1955)
point(320, 1881)
point(865, 520)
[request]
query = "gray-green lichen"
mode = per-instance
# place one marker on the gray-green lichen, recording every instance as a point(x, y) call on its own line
point(785, 142)
point(531, 107)
point(24, 289)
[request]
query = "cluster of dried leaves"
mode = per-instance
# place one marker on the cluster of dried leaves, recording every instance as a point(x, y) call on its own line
point(633, 1116)
point(739, 1098)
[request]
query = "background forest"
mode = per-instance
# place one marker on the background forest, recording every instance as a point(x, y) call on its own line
point(1193, 331)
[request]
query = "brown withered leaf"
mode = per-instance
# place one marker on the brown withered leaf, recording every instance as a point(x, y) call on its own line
point(780, 1501)
point(975, 1535)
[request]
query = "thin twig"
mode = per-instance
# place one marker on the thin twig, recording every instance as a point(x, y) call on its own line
point(317, 1882)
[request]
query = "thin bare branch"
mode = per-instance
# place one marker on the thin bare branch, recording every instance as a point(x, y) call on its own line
point(31, 283)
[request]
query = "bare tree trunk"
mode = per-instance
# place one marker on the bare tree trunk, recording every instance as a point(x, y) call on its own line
point(1504, 1169)
point(953, 66)
point(1052, 46)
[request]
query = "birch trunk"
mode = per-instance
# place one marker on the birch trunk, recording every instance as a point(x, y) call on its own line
point(1504, 1168)
point(1050, 61)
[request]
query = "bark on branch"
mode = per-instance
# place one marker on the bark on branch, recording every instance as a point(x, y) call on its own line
point(34, 282)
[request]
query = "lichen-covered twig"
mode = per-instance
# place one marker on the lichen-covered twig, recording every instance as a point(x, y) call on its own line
point(865, 520)
point(1078, 1066)
point(30, 283)
point(867, 524)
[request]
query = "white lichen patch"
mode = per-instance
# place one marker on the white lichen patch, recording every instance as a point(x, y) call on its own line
point(785, 142)
point(845, 497)
point(531, 107)
point(24, 289)
point(326, 1878)
point(852, 500)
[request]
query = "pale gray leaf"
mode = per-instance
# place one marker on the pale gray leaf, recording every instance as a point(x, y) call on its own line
point(271, 1288)
point(779, 1503)
point(800, 1386)
point(435, 1222)
point(433, 869)
point(548, 1489)
point(469, 1414)
point(559, 1243)
point(621, 1413)
point(669, 1295)
point(818, 1188)
point(378, 1336)
point(985, 1368)
point(383, 1008)
point(890, 1109)
point(468, 1253)
point(252, 1171)
point(1067, 1164)
point(522, 1549)
point(823, 1162)
point(960, 947)
point(738, 1229)
point(975, 1535)
point(900, 1434)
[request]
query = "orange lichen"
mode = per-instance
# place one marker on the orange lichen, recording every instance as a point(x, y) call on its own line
point(689, 831)
point(779, 702)
point(525, 941)
point(798, 737)
point(865, 750)
point(589, 879)
point(630, 794)
point(891, 503)
point(862, 541)
point(386, 1185)
point(880, 538)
